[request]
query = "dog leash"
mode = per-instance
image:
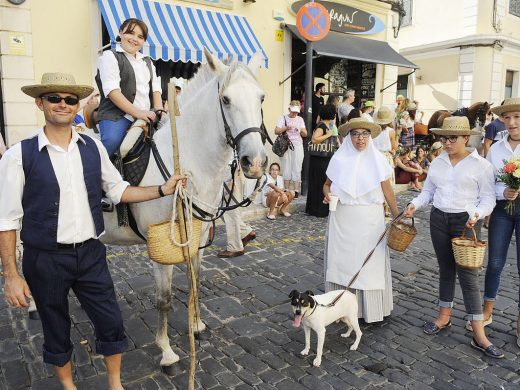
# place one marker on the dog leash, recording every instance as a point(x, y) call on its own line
point(385, 232)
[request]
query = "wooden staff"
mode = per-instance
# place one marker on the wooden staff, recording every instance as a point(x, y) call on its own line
point(174, 111)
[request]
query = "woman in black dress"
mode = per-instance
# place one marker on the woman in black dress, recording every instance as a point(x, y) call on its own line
point(318, 165)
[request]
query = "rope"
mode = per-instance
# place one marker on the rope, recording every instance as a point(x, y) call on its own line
point(187, 199)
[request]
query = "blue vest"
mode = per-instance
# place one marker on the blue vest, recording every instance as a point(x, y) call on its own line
point(41, 193)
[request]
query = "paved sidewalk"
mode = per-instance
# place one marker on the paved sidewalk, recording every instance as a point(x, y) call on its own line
point(253, 343)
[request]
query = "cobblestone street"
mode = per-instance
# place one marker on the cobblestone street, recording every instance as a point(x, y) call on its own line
point(253, 344)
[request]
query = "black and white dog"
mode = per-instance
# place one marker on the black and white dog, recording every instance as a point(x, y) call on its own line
point(317, 311)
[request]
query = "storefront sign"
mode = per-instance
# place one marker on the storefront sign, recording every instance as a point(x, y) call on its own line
point(215, 3)
point(17, 44)
point(346, 19)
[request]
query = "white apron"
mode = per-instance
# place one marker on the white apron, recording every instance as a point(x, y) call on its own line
point(353, 232)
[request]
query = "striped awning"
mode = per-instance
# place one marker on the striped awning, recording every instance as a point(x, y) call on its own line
point(180, 33)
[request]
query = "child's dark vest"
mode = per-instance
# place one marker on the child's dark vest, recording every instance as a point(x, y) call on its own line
point(108, 110)
point(41, 194)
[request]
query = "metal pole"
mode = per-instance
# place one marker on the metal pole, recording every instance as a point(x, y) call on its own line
point(309, 92)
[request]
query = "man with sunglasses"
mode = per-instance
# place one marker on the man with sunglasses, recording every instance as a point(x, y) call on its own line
point(51, 185)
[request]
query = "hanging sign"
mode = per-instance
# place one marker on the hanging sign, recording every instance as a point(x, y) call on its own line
point(346, 19)
point(313, 21)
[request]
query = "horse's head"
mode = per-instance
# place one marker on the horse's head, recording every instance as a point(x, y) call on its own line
point(483, 109)
point(241, 100)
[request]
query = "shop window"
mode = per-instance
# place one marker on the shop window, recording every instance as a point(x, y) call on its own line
point(514, 7)
point(402, 85)
point(511, 83)
point(407, 19)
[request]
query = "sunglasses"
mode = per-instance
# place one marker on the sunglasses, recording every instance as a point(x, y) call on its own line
point(55, 99)
point(364, 134)
point(451, 139)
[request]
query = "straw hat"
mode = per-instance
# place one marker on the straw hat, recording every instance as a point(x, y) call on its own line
point(436, 146)
point(384, 116)
point(360, 123)
point(510, 104)
point(455, 125)
point(57, 82)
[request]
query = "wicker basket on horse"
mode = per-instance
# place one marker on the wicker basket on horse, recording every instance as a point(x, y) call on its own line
point(161, 248)
point(401, 235)
point(469, 252)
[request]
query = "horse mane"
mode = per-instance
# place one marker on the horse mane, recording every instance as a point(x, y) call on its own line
point(204, 75)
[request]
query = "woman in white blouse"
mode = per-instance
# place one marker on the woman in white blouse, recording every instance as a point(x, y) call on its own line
point(461, 186)
point(360, 176)
point(502, 224)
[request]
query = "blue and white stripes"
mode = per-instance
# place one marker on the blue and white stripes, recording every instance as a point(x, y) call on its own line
point(180, 33)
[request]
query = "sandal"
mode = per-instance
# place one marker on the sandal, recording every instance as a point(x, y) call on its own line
point(271, 217)
point(490, 351)
point(486, 323)
point(431, 328)
point(285, 214)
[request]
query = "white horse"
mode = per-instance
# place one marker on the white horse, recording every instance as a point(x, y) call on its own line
point(215, 92)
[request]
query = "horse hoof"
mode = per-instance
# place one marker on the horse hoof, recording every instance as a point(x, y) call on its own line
point(33, 315)
point(202, 336)
point(170, 370)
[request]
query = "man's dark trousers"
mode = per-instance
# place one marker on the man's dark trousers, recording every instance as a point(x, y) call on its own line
point(50, 276)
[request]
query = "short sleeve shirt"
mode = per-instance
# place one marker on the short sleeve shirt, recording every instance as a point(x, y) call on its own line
point(294, 126)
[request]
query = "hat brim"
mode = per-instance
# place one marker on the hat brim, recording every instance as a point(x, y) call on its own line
point(500, 110)
point(346, 128)
point(454, 132)
point(81, 91)
point(386, 121)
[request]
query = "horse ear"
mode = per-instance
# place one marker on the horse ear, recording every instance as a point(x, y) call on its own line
point(255, 62)
point(214, 63)
point(294, 294)
point(309, 293)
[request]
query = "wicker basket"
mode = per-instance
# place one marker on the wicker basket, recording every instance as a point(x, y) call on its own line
point(469, 252)
point(401, 235)
point(162, 250)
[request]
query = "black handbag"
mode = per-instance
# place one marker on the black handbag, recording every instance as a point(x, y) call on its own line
point(282, 143)
point(325, 149)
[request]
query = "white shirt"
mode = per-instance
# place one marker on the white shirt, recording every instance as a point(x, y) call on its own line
point(270, 180)
point(75, 223)
point(499, 152)
point(465, 187)
point(382, 141)
point(111, 79)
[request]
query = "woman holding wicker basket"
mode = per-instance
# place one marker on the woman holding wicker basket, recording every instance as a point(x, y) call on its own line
point(461, 186)
point(358, 182)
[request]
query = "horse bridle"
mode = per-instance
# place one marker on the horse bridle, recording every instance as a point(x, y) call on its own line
point(233, 141)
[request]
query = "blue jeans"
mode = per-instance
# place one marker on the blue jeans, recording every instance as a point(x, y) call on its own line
point(501, 226)
point(113, 133)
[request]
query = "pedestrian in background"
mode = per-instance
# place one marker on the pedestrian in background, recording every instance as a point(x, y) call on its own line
point(275, 195)
point(461, 186)
point(346, 105)
point(317, 102)
point(435, 151)
point(495, 131)
point(360, 176)
point(292, 159)
point(367, 111)
point(502, 224)
point(128, 83)
point(318, 163)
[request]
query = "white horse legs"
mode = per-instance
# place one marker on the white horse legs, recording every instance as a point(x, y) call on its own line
point(163, 292)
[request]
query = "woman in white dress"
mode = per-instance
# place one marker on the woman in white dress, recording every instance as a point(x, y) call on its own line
point(360, 176)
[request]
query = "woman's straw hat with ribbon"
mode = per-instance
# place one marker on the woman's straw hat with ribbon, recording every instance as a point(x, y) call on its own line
point(455, 125)
point(384, 116)
point(510, 104)
point(360, 123)
point(59, 83)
